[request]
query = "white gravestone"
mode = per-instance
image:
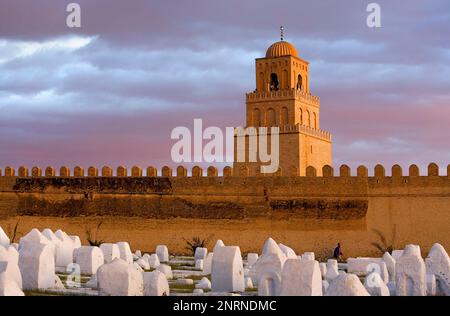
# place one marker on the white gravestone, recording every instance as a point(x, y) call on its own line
point(227, 270)
point(332, 270)
point(110, 252)
point(200, 253)
point(155, 284)
point(410, 273)
point(37, 266)
point(163, 253)
point(346, 285)
point(11, 256)
point(439, 264)
point(375, 285)
point(251, 259)
point(89, 258)
point(119, 278)
point(125, 251)
point(301, 278)
point(207, 264)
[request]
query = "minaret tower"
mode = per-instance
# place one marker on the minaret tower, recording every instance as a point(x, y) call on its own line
point(282, 98)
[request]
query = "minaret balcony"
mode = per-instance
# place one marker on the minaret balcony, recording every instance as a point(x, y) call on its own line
point(283, 95)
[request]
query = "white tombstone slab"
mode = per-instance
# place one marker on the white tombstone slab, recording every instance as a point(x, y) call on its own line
point(163, 253)
point(89, 259)
point(34, 237)
point(184, 282)
point(8, 286)
point(125, 251)
point(410, 273)
point(323, 269)
point(301, 278)
point(248, 283)
point(204, 284)
point(4, 239)
point(119, 278)
point(438, 263)
point(76, 241)
point(37, 266)
point(359, 265)
point(346, 284)
point(380, 268)
point(308, 256)
point(199, 264)
point(155, 284)
point(138, 253)
point(200, 253)
point(251, 259)
point(390, 265)
point(332, 270)
point(271, 262)
point(375, 285)
point(271, 247)
point(288, 252)
point(207, 264)
point(227, 270)
point(110, 252)
point(269, 284)
point(167, 270)
point(219, 243)
point(143, 264)
point(10, 255)
point(64, 252)
point(153, 261)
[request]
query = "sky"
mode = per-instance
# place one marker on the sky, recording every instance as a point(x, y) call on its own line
point(110, 92)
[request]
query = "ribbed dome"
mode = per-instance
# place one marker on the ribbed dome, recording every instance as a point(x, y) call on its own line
point(280, 49)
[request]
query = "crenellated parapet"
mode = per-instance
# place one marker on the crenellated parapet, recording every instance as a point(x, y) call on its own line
point(344, 171)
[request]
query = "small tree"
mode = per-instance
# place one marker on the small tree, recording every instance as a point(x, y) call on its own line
point(13, 233)
point(197, 242)
point(93, 238)
point(384, 245)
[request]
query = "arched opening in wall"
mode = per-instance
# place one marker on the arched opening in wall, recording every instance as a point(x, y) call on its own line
point(256, 117)
point(301, 117)
point(300, 82)
point(308, 118)
point(262, 84)
point(274, 83)
point(284, 116)
point(271, 118)
point(315, 120)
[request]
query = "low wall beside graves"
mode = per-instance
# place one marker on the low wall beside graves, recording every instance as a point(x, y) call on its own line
point(307, 213)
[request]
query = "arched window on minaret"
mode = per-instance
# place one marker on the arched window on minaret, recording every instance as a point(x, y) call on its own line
point(308, 118)
point(301, 116)
point(256, 117)
point(274, 83)
point(315, 120)
point(284, 116)
point(299, 82)
point(271, 118)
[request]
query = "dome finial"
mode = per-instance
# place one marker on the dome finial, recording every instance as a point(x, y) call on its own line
point(282, 32)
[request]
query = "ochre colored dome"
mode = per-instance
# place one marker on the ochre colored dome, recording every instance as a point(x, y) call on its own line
point(280, 49)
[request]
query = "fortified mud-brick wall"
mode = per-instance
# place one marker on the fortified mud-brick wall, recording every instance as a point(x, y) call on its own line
point(309, 213)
